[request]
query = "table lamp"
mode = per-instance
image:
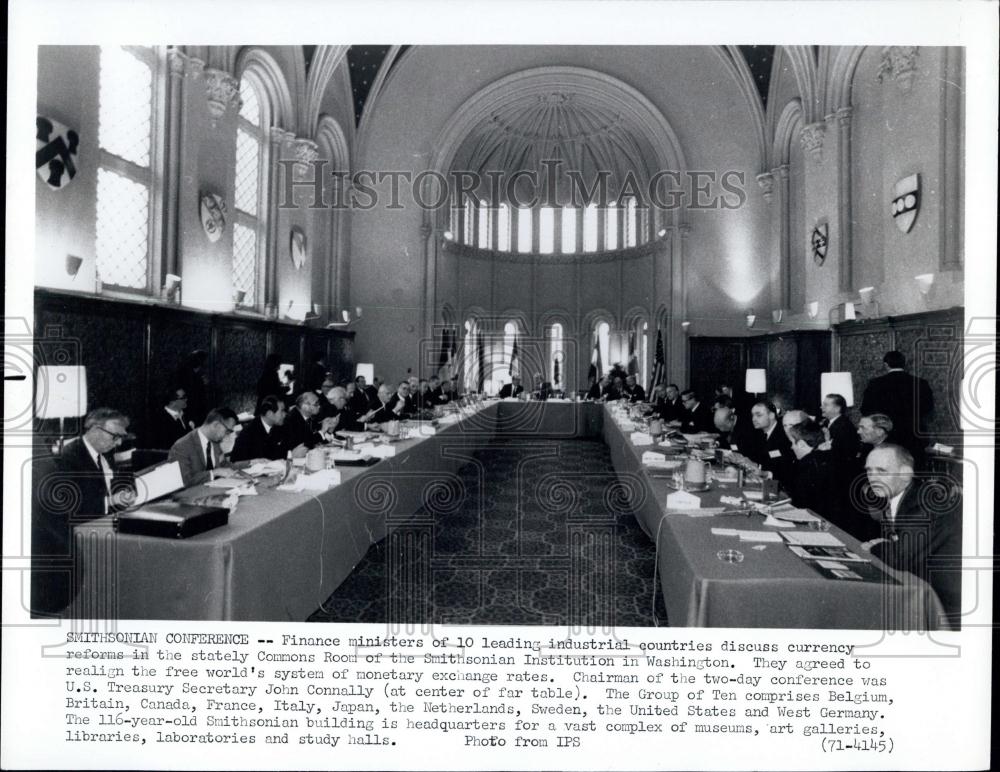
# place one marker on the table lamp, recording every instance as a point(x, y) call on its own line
point(367, 369)
point(61, 392)
point(756, 381)
point(837, 383)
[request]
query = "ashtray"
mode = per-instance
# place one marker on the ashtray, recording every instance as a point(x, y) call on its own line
point(730, 556)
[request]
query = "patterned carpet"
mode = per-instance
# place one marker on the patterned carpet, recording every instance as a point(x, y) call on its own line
point(529, 533)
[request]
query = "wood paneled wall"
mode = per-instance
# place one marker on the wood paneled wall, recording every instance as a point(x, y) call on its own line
point(793, 361)
point(132, 350)
point(932, 342)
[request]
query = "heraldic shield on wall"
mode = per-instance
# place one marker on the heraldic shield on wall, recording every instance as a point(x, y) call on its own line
point(55, 152)
point(213, 215)
point(906, 202)
point(818, 241)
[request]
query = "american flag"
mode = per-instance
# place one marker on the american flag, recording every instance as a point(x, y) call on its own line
point(515, 364)
point(657, 362)
point(595, 361)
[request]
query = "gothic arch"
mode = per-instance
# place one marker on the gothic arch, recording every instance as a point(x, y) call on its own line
point(265, 72)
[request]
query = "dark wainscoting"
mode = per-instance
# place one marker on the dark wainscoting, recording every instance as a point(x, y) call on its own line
point(933, 344)
point(793, 361)
point(132, 349)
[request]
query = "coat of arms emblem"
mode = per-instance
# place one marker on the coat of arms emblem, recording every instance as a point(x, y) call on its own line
point(906, 202)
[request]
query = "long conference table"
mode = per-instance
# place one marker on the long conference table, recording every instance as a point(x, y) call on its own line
point(282, 553)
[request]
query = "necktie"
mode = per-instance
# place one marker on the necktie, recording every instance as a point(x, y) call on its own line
point(105, 470)
point(208, 457)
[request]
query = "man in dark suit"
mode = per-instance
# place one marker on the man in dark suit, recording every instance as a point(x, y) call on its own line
point(774, 450)
point(402, 397)
point(263, 437)
point(78, 485)
point(449, 391)
point(436, 395)
point(696, 417)
point(921, 531)
point(843, 435)
point(906, 399)
point(360, 400)
point(204, 452)
point(633, 391)
point(737, 434)
point(342, 417)
point(388, 407)
point(167, 425)
point(813, 482)
point(512, 389)
point(672, 409)
point(302, 424)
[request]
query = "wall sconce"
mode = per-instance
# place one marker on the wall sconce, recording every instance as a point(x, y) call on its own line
point(776, 315)
point(756, 381)
point(850, 313)
point(661, 233)
point(73, 264)
point(685, 327)
point(812, 309)
point(346, 318)
point(867, 295)
point(171, 288)
point(449, 236)
point(837, 383)
point(238, 297)
point(925, 283)
point(751, 319)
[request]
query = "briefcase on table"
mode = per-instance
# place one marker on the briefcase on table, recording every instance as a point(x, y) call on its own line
point(172, 519)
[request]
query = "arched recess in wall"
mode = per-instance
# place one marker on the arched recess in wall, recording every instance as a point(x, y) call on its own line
point(789, 207)
point(470, 366)
point(334, 146)
point(591, 335)
point(637, 343)
point(561, 350)
point(258, 64)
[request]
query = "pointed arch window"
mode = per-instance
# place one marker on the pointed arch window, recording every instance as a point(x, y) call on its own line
point(503, 227)
point(248, 223)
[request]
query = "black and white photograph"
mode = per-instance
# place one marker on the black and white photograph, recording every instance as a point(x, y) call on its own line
point(555, 377)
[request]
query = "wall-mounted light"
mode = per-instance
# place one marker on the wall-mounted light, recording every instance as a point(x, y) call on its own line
point(812, 309)
point(850, 313)
point(661, 232)
point(751, 319)
point(776, 315)
point(345, 317)
point(239, 296)
point(685, 327)
point(73, 264)
point(925, 283)
point(756, 381)
point(867, 295)
point(171, 287)
point(449, 236)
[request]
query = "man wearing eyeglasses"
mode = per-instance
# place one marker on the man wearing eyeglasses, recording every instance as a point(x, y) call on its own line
point(204, 452)
point(78, 485)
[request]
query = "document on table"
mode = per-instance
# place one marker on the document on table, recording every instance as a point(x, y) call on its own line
point(159, 481)
point(749, 536)
point(812, 538)
point(794, 514)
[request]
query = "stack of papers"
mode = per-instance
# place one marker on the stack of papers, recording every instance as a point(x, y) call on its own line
point(641, 438)
point(375, 451)
point(266, 467)
point(749, 536)
point(659, 461)
point(317, 481)
point(793, 514)
point(812, 539)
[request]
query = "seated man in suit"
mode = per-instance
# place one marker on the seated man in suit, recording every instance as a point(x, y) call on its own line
point(168, 425)
point(597, 388)
point(204, 452)
point(839, 429)
point(672, 408)
point(343, 417)
point(449, 391)
point(696, 417)
point(512, 389)
point(737, 434)
point(78, 485)
point(813, 482)
point(387, 407)
point(875, 429)
point(264, 437)
point(615, 389)
point(774, 451)
point(918, 527)
point(435, 394)
point(401, 403)
point(302, 424)
point(360, 400)
point(633, 391)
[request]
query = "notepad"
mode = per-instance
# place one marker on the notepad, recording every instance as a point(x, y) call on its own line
point(158, 481)
point(794, 514)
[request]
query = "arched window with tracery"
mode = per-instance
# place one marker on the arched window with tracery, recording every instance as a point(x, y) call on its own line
point(248, 226)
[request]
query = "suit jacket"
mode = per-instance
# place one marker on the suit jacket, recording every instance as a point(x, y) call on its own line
point(384, 413)
point(907, 400)
point(742, 438)
point(299, 430)
point(359, 403)
point(436, 397)
point(698, 420)
point(925, 539)
point(450, 396)
point(255, 442)
point(349, 421)
point(844, 438)
point(408, 408)
point(164, 430)
point(67, 490)
point(775, 453)
point(636, 394)
point(508, 390)
point(671, 410)
point(813, 484)
point(594, 392)
point(188, 452)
